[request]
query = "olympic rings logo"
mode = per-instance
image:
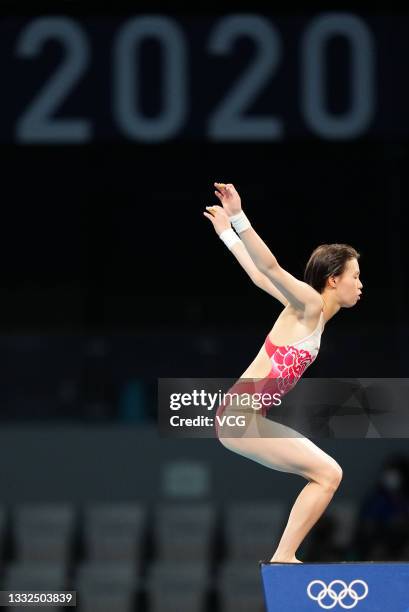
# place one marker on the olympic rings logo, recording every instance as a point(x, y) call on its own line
point(337, 598)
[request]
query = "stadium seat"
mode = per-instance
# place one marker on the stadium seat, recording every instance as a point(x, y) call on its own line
point(184, 531)
point(345, 514)
point(114, 532)
point(106, 586)
point(43, 532)
point(240, 587)
point(177, 587)
point(253, 529)
point(35, 576)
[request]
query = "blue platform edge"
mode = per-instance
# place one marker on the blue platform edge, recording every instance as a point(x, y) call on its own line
point(364, 587)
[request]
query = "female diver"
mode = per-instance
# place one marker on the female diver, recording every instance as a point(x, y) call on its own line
point(331, 282)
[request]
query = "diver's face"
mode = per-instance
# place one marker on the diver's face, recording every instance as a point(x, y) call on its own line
point(348, 285)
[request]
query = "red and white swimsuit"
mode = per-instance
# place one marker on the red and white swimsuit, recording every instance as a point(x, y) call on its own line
point(288, 364)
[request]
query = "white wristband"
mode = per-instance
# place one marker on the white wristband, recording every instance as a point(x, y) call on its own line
point(229, 238)
point(240, 222)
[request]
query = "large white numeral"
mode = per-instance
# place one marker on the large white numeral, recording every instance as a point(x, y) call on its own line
point(228, 121)
point(352, 123)
point(128, 79)
point(37, 123)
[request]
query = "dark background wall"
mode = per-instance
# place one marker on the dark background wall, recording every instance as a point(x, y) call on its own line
point(104, 230)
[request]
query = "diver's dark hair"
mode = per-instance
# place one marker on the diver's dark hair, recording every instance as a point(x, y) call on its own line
point(327, 260)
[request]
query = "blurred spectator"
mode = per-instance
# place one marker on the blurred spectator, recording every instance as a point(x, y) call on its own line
point(383, 524)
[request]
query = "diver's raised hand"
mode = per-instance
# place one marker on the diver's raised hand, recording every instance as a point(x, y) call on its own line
point(228, 197)
point(218, 216)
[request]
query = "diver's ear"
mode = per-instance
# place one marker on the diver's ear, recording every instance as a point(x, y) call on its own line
point(332, 281)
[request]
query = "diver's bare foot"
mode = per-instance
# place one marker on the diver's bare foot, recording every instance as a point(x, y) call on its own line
point(277, 559)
